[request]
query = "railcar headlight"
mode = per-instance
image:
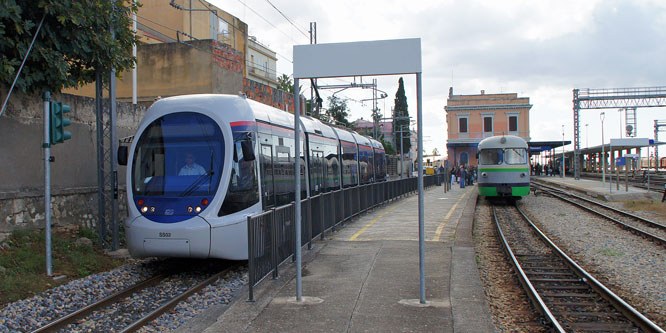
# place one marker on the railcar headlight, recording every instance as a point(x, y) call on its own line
point(483, 174)
point(144, 209)
point(190, 209)
point(152, 209)
point(197, 209)
point(522, 175)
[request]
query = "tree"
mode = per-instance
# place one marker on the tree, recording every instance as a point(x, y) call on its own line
point(285, 83)
point(73, 42)
point(400, 118)
point(376, 118)
point(337, 110)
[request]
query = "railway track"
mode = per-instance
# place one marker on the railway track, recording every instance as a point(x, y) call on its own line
point(636, 224)
point(568, 297)
point(121, 308)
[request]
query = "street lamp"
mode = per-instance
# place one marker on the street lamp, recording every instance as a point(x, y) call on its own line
point(587, 136)
point(563, 151)
point(602, 116)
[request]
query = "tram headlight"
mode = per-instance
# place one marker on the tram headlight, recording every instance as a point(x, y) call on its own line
point(152, 209)
point(197, 209)
point(190, 209)
point(144, 209)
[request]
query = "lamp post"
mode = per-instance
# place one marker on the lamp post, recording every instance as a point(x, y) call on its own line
point(602, 116)
point(587, 136)
point(563, 151)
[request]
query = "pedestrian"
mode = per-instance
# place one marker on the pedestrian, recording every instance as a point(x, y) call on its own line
point(463, 174)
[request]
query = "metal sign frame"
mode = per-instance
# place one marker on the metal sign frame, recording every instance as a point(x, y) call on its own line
point(368, 58)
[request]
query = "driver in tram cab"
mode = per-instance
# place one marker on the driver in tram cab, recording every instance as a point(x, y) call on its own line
point(191, 168)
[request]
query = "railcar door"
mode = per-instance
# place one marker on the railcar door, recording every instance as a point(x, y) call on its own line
point(267, 184)
point(317, 172)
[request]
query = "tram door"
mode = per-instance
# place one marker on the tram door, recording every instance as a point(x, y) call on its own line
point(317, 172)
point(267, 184)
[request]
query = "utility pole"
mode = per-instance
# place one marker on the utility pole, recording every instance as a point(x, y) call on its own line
point(313, 104)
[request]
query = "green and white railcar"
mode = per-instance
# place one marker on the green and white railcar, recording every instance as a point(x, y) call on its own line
point(504, 169)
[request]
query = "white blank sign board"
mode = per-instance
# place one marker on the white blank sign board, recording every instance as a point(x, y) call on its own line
point(379, 57)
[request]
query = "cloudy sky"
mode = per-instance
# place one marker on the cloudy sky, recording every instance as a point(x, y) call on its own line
point(538, 49)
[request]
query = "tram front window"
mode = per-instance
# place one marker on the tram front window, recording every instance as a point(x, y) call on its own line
point(178, 155)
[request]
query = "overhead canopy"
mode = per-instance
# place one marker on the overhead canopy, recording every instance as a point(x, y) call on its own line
point(539, 146)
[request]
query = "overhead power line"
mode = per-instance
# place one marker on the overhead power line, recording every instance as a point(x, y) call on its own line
point(288, 20)
point(267, 21)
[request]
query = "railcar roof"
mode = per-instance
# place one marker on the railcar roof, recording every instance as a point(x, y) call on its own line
point(315, 126)
point(376, 144)
point(503, 141)
point(344, 135)
point(361, 140)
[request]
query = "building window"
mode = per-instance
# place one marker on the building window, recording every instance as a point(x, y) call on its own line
point(487, 124)
point(462, 125)
point(513, 124)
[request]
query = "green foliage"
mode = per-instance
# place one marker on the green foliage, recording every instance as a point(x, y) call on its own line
point(338, 111)
point(285, 83)
point(25, 261)
point(73, 42)
point(400, 111)
point(388, 147)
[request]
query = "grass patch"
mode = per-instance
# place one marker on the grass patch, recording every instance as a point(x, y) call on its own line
point(561, 214)
point(646, 205)
point(611, 252)
point(25, 261)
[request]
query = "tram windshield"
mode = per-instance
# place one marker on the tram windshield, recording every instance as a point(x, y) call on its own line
point(178, 155)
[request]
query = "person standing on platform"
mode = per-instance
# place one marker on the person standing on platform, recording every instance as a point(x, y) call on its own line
point(463, 174)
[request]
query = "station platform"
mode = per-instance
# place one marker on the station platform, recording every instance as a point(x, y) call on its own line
point(599, 190)
point(365, 276)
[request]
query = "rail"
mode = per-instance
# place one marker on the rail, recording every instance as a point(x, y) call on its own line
point(271, 234)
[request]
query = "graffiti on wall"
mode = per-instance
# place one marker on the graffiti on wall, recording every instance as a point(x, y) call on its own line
point(268, 95)
point(227, 57)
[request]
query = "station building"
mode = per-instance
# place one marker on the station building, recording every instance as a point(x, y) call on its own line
point(471, 118)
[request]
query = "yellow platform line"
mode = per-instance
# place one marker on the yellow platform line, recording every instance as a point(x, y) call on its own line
point(374, 220)
point(440, 228)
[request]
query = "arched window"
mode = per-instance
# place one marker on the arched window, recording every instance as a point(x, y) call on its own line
point(464, 158)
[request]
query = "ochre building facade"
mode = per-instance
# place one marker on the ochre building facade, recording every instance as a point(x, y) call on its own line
point(471, 118)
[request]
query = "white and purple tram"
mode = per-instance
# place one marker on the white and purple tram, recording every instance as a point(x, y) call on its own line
point(199, 165)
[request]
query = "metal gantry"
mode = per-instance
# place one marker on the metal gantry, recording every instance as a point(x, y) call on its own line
point(612, 98)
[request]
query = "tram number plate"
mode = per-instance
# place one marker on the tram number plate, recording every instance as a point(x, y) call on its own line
point(165, 234)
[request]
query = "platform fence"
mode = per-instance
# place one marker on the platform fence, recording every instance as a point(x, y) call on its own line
point(271, 234)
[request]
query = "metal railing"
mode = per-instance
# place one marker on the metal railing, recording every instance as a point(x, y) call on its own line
point(271, 234)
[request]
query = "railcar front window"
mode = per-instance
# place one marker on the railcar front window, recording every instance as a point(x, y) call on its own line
point(178, 155)
point(515, 156)
point(490, 157)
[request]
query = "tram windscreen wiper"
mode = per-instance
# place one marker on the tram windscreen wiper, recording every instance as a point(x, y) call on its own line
point(196, 183)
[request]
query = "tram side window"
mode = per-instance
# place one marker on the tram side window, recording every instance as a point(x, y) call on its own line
point(490, 157)
point(515, 156)
point(243, 189)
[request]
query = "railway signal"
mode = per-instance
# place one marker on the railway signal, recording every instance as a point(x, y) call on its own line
point(58, 122)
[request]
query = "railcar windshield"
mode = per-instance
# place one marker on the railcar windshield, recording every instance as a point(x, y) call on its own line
point(178, 155)
point(503, 156)
point(490, 156)
point(515, 156)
